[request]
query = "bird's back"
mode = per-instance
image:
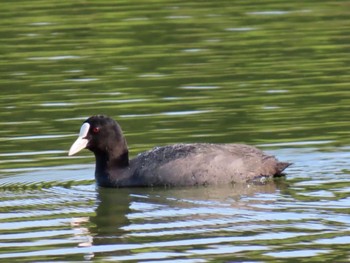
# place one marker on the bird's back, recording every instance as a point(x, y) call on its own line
point(203, 164)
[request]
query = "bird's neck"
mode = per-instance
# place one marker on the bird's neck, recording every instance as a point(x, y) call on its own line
point(110, 163)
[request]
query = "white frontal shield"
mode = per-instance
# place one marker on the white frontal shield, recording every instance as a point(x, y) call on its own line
point(81, 142)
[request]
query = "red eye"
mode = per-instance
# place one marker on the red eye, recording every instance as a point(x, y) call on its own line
point(96, 129)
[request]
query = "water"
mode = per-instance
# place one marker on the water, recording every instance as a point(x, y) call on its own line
point(274, 75)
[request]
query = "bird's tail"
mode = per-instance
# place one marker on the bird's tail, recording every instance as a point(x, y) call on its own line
point(281, 166)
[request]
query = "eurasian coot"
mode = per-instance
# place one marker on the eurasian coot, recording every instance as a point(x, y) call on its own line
point(174, 165)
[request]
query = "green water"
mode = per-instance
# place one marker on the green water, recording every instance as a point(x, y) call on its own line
point(272, 74)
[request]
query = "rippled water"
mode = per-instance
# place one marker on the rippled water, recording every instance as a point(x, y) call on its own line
point(304, 216)
point(274, 75)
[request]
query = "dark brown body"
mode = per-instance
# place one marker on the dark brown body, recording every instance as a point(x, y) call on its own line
point(197, 164)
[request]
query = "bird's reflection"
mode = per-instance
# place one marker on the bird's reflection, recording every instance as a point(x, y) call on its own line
point(113, 207)
point(118, 209)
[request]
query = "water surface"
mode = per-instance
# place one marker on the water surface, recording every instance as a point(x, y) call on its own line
point(274, 75)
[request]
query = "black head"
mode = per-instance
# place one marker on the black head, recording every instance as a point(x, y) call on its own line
point(101, 135)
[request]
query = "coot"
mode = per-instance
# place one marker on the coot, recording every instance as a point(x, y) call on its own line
point(174, 165)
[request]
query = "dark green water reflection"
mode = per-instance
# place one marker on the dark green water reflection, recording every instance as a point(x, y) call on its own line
point(273, 74)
